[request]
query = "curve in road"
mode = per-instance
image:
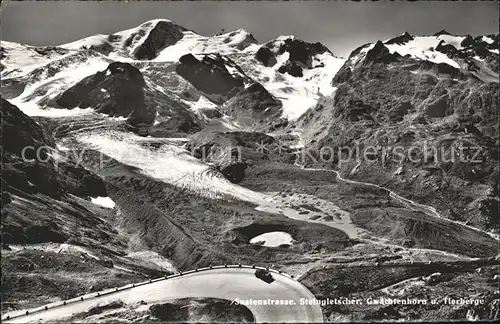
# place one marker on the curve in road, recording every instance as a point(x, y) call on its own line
point(431, 211)
point(231, 283)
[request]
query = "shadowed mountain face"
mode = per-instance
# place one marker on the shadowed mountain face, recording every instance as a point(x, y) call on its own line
point(16, 124)
point(209, 76)
point(168, 150)
point(117, 91)
point(164, 34)
point(30, 171)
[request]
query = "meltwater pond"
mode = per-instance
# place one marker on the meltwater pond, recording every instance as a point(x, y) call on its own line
point(273, 239)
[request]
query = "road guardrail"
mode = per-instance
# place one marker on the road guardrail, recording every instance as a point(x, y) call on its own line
point(26, 312)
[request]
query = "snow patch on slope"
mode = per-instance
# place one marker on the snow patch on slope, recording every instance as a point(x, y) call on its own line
point(488, 40)
point(105, 202)
point(296, 99)
point(455, 41)
point(321, 77)
point(150, 256)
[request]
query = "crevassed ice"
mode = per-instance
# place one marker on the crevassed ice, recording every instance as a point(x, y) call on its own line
point(170, 163)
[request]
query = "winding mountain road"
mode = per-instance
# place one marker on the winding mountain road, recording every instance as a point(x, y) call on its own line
point(229, 283)
point(431, 211)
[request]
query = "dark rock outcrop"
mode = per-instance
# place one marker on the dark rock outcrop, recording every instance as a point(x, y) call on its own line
point(447, 49)
point(178, 125)
point(342, 75)
point(210, 76)
point(253, 104)
point(40, 185)
point(356, 110)
point(12, 88)
point(468, 41)
point(443, 69)
point(164, 34)
point(380, 53)
point(266, 56)
point(49, 50)
point(481, 50)
point(29, 167)
point(20, 132)
point(233, 152)
point(400, 40)
point(291, 68)
point(233, 171)
point(397, 114)
point(116, 91)
point(302, 52)
point(438, 108)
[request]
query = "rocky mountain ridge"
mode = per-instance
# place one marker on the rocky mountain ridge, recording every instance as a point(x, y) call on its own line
point(386, 100)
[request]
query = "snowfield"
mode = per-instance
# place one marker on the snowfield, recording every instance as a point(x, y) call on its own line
point(105, 202)
point(60, 81)
point(198, 45)
point(22, 59)
point(421, 48)
point(297, 94)
point(87, 42)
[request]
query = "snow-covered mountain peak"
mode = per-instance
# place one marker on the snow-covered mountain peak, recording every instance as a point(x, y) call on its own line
point(154, 22)
point(141, 42)
point(459, 52)
point(87, 42)
point(442, 32)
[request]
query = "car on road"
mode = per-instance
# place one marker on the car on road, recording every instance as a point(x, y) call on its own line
point(264, 275)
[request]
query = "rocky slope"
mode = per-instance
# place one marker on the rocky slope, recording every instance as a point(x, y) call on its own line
point(427, 120)
point(46, 198)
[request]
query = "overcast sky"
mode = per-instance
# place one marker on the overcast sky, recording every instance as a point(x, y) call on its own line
point(341, 26)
